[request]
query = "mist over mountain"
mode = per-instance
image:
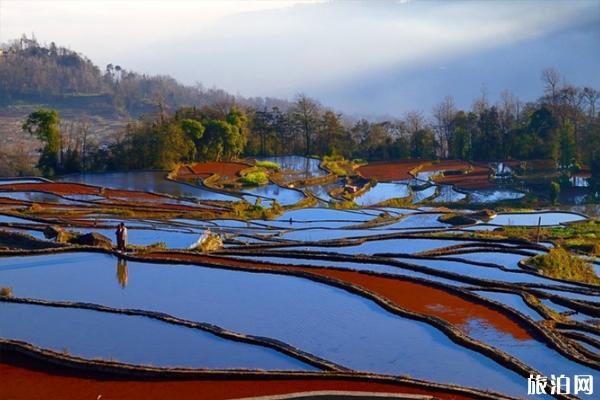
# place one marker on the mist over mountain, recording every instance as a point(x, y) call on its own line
point(575, 52)
point(362, 58)
point(388, 58)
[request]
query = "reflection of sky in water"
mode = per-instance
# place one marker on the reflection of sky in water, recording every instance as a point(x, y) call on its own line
point(300, 167)
point(328, 214)
point(490, 196)
point(9, 219)
point(320, 319)
point(420, 195)
point(145, 237)
point(283, 195)
point(19, 181)
point(38, 197)
point(148, 181)
point(382, 192)
point(92, 334)
point(531, 219)
point(532, 352)
point(511, 300)
point(448, 195)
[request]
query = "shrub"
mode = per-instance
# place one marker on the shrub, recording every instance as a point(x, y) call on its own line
point(256, 178)
point(208, 243)
point(554, 192)
point(268, 164)
point(559, 263)
point(34, 208)
point(157, 246)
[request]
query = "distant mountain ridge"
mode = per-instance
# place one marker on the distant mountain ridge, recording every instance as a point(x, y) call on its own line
point(60, 78)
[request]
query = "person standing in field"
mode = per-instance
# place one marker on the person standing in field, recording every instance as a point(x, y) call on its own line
point(121, 237)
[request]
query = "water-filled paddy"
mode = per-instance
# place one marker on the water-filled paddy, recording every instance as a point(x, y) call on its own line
point(408, 245)
point(494, 195)
point(513, 301)
point(504, 259)
point(324, 214)
point(133, 339)
point(39, 197)
point(532, 219)
point(145, 237)
point(284, 196)
point(447, 194)
point(417, 221)
point(314, 316)
point(9, 219)
point(371, 267)
point(303, 167)
point(420, 195)
point(147, 181)
point(325, 321)
point(381, 192)
point(19, 181)
point(487, 273)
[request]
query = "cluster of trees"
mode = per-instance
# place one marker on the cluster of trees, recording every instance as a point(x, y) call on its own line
point(562, 125)
point(54, 158)
point(192, 134)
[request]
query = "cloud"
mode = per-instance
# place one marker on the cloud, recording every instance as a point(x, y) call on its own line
point(105, 29)
point(279, 52)
point(275, 48)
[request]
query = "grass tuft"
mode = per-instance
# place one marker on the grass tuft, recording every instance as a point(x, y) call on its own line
point(560, 264)
point(255, 176)
point(268, 164)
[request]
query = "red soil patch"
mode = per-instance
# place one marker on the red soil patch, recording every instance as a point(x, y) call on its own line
point(447, 165)
point(390, 171)
point(206, 169)
point(8, 201)
point(129, 194)
point(26, 379)
point(432, 301)
point(477, 178)
point(56, 188)
point(412, 296)
point(66, 189)
point(512, 163)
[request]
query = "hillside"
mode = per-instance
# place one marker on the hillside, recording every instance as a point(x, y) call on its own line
point(92, 101)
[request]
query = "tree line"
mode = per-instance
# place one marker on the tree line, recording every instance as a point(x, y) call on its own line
point(562, 125)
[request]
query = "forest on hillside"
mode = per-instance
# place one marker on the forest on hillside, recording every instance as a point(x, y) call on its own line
point(31, 72)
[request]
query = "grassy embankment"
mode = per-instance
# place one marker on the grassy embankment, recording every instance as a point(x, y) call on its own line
point(582, 237)
point(559, 263)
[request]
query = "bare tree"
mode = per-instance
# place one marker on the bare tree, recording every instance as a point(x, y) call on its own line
point(414, 121)
point(306, 114)
point(591, 96)
point(551, 79)
point(444, 114)
point(481, 103)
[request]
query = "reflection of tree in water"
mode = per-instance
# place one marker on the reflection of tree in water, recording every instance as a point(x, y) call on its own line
point(122, 274)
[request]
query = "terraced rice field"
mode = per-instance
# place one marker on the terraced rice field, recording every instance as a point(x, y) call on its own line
point(375, 299)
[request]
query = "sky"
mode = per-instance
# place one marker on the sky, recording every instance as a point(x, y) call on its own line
point(361, 57)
